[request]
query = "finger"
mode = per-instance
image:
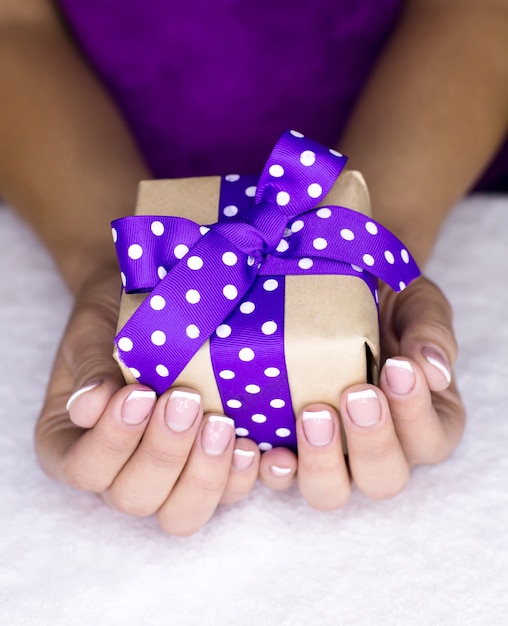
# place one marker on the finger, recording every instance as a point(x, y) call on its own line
point(55, 433)
point(94, 459)
point(203, 480)
point(376, 459)
point(244, 471)
point(428, 426)
point(277, 468)
point(148, 477)
point(421, 328)
point(93, 374)
point(323, 476)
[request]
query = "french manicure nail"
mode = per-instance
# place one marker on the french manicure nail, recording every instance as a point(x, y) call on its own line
point(364, 408)
point(182, 410)
point(400, 376)
point(279, 471)
point(318, 427)
point(80, 392)
point(242, 459)
point(439, 361)
point(217, 434)
point(138, 406)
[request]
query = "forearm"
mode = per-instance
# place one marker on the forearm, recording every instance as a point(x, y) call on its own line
point(433, 114)
point(67, 162)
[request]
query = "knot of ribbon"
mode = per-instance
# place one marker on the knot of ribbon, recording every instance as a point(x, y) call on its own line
point(198, 276)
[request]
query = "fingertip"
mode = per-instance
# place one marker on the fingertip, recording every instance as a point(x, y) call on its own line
point(217, 435)
point(278, 468)
point(403, 383)
point(86, 405)
point(398, 375)
point(318, 424)
point(245, 458)
point(183, 408)
point(363, 407)
point(80, 392)
point(437, 368)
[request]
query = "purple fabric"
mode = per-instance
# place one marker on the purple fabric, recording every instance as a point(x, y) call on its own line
point(209, 87)
point(214, 281)
point(198, 81)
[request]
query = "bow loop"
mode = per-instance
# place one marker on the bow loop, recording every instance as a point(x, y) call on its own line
point(298, 174)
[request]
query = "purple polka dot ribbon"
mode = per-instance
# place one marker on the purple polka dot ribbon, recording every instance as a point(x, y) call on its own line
point(225, 281)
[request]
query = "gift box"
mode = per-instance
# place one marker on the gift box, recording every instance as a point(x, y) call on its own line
point(260, 292)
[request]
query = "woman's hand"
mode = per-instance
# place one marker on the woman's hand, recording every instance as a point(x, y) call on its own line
point(163, 456)
point(415, 417)
point(141, 454)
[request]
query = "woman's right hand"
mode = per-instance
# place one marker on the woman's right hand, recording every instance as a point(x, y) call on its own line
point(416, 416)
point(143, 455)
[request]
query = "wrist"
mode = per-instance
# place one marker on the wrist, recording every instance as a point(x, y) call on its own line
point(80, 264)
point(416, 228)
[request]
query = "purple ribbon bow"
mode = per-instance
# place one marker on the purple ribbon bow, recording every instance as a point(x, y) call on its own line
point(225, 281)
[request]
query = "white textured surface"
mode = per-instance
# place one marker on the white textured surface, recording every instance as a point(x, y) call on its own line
point(437, 554)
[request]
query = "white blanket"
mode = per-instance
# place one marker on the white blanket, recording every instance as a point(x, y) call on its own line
point(436, 554)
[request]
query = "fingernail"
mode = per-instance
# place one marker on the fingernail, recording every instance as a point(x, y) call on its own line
point(439, 361)
point(137, 406)
point(400, 376)
point(364, 408)
point(279, 471)
point(182, 410)
point(80, 392)
point(318, 427)
point(217, 434)
point(242, 459)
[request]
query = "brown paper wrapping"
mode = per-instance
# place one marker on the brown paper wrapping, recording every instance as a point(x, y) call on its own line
point(331, 326)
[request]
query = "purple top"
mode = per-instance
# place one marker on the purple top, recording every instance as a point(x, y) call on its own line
point(209, 87)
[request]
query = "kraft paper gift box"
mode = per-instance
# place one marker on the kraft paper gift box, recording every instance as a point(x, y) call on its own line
point(330, 321)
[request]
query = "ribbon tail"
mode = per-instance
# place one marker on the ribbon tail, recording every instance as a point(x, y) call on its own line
point(356, 239)
point(184, 310)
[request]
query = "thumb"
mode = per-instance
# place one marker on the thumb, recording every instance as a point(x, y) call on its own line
point(419, 322)
point(87, 351)
point(84, 377)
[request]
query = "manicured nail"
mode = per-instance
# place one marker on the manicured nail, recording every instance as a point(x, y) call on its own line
point(400, 376)
point(242, 459)
point(318, 427)
point(80, 392)
point(181, 410)
point(138, 406)
point(439, 361)
point(364, 408)
point(279, 471)
point(217, 434)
